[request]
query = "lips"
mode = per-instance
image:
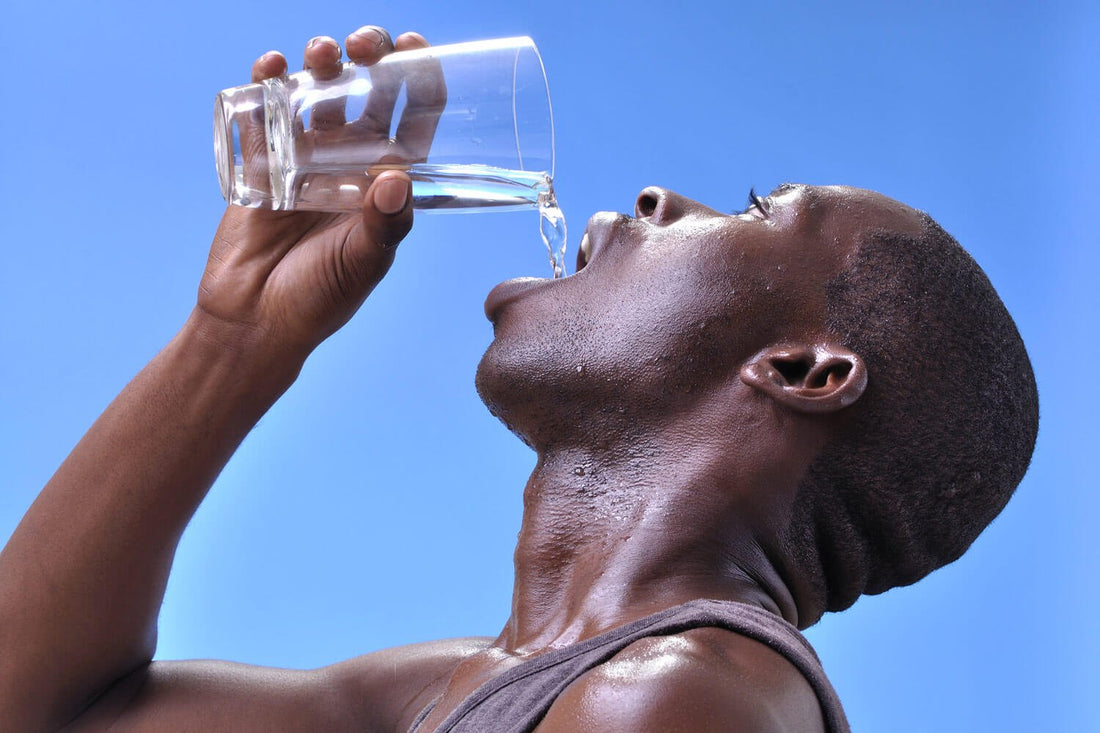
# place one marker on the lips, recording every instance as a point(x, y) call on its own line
point(510, 290)
point(596, 235)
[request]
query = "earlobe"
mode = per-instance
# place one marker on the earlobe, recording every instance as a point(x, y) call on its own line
point(818, 378)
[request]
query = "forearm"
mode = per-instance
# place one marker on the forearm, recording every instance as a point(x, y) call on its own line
point(83, 576)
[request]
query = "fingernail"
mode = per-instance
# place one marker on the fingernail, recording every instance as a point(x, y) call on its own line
point(391, 195)
point(323, 39)
point(274, 56)
point(372, 35)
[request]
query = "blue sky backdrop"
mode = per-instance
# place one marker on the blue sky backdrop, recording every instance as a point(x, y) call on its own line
point(377, 503)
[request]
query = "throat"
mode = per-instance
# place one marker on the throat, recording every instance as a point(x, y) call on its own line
point(609, 539)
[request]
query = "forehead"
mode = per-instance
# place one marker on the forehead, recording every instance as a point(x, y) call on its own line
point(844, 211)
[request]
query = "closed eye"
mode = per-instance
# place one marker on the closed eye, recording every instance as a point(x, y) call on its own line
point(757, 203)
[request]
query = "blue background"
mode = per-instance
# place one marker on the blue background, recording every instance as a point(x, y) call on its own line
point(377, 503)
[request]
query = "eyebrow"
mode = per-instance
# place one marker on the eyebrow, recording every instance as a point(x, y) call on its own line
point(809, 193)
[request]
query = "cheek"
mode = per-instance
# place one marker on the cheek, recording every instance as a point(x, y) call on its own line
point(670, 334)
point(646, 321)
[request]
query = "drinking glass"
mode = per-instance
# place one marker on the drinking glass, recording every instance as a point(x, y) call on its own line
point(470, 123)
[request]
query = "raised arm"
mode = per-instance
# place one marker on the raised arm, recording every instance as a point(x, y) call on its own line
point(83, 576)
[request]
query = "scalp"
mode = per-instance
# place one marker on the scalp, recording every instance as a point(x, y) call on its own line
point(937, 444)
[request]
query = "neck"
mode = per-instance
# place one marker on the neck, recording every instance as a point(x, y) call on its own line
point(613, 534)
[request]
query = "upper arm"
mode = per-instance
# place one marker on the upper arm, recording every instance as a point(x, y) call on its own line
point(699, 681)
point(214, 696)
point(382, 691)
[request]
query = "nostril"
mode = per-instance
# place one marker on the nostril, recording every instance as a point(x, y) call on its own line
point(648, 201)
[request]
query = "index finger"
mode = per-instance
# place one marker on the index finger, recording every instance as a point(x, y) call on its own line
point(269, 65)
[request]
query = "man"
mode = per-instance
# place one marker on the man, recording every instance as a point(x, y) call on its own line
point(751, 419)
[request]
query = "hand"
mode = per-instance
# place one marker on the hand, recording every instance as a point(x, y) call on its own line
point(333, 140)
point(284, 281)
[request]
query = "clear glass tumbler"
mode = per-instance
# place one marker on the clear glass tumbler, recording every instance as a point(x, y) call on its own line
point(471, 123)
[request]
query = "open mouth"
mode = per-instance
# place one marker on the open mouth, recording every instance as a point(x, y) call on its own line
point(600, 229)
point(584, 252)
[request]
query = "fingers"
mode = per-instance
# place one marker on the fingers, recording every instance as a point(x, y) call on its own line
point(322, 59)
point(426, 96)
point(369, 45)
point(426, 93)
point(269, 65)
point(410, 40)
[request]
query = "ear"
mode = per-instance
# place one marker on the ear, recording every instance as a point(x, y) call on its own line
point(813, 379)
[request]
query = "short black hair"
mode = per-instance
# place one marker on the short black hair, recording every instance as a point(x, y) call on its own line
point(941, 437)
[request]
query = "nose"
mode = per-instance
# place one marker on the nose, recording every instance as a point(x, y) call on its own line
point(660, 205)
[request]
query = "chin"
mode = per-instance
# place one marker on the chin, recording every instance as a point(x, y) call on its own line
point(513, 384)
point(555, 392)
point(546, 385)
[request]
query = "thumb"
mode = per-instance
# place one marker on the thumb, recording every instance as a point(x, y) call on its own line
point(387, 209)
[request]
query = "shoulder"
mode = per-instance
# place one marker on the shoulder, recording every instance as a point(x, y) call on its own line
point(389, 687)
point(699, 680)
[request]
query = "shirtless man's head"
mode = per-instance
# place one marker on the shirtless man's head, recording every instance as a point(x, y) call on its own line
point(821, 396)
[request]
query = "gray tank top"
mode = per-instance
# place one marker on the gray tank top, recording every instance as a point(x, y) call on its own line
point(516, 700)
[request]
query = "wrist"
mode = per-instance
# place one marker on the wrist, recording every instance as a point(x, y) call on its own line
point(245, 353)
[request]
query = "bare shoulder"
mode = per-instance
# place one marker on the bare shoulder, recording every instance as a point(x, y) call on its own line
point(699, 680)
point(381, 691)
point(390, 687)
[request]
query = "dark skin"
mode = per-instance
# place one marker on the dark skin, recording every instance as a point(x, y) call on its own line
point(674, 395)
